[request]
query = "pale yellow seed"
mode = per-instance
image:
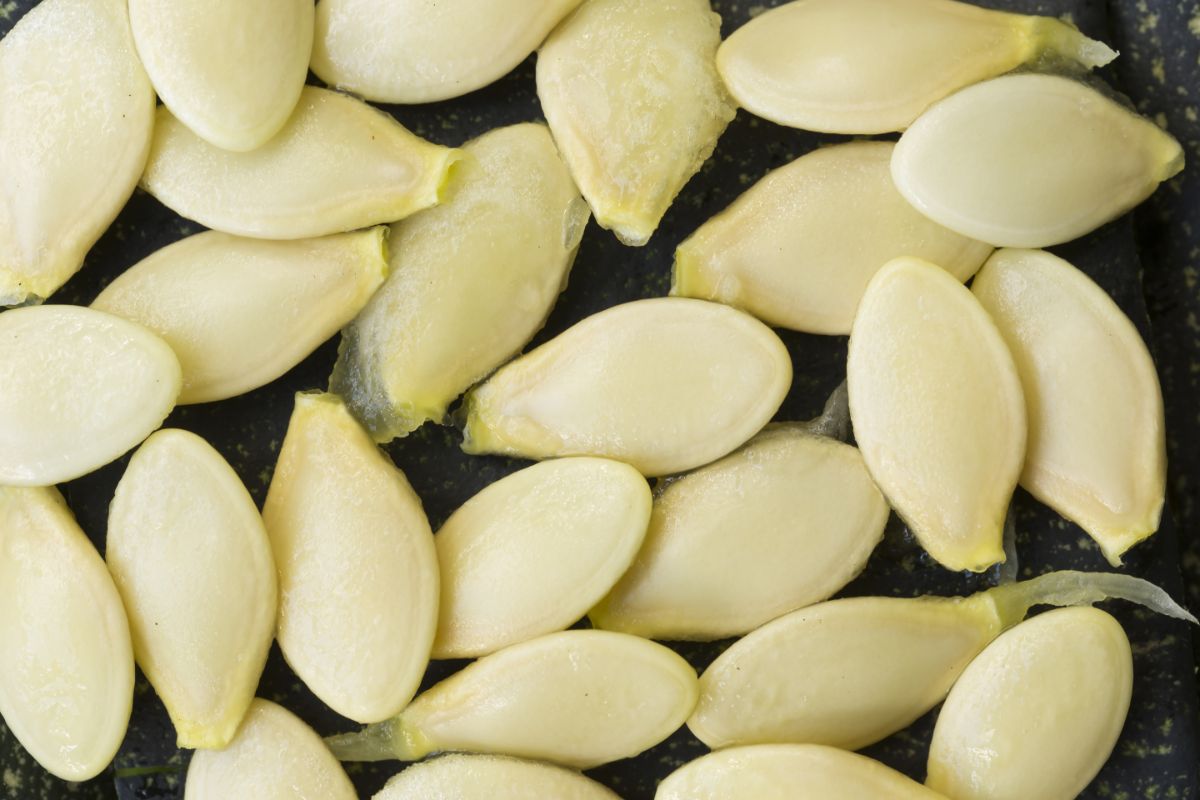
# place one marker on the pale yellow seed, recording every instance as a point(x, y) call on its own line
point(791, 250)
point(471, 281)
point(1097, 447)
point(1031, 160)
point(632, 95)
point(189, 554)
point(414, 51)
point(872, 66)
point(938, 410)
point(74, 136)
point(231, 70)
point(358, 574)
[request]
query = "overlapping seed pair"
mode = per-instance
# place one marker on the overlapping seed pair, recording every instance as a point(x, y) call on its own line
point(1033, 333)
point(1035, 714)
point(848, 672)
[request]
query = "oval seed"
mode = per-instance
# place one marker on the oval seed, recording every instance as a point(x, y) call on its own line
point(631, 92)
point(230, 70)
point(788, 772)
point(1031, 160)
point(531, 553)
point(1097, 450)
point(844, 673)
point(465, 777)
point(358, 574)
point(578, 698)
point(847, 673)
point(274, 756)
point(337, 165)
point(80, 388)
point(665, 384)
point(189, 555)
point(1036, 714)
point(74, 136)
point(66, 662)
point(414, 51)
point(938, 410)
point(872, 66)
point(241, 312)
point(471, 281)
point(784, 522)
point(790, 250)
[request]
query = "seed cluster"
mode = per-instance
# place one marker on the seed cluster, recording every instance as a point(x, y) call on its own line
point(439, 265)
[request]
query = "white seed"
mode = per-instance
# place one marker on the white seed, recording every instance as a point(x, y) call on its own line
point(358, 574)
point(81, 387)
point(631, 92)
point(241, 312)
point(189, 555)
point(938, 410)
point(531, 553)
point(1097, 449)
point(791, 250)
point(66, 662)
point(872, 66)
point(337, 165)
point(784, 522)
point(1036, 714)
point(577, 698)
point(466, 777)
point(274, 756)
point(788, 772)
point(413, 51)
point(471, 281)
point(74, 136)
point(666, 385)
point(1031, 160)
point(231, 70)
point(845, 673)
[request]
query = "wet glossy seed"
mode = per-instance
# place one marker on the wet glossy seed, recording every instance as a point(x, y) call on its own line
point(937, 409)
point(241, 312)
point(788, 772)
point(274, 756)
point(231, 70)
point(791, 250)
point(631, 92)
point(471, 282)
point(872, 66)
point(1097, 449)
point(1031, 160)
point(666, 385)
point(358, 576)
point(466, 777)
point(1036, 714)
point(413, 51)
point(81, 387)
point(337, 165)
point(577, 698)
point(532, 552)
point(188, 552)
point(66, 662)
point(74, 136)
point(784, 522)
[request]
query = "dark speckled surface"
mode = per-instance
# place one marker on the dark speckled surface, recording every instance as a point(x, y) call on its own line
point(1157, 754)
